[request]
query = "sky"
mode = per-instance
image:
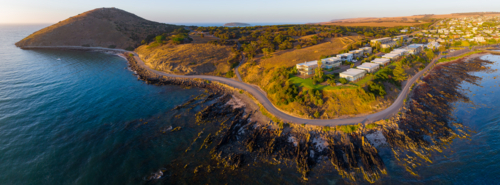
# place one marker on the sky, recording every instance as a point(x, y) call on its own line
point(223, 11)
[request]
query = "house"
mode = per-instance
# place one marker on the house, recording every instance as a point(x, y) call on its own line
point(432, 45)
point(369, 67)
point(345, 57)
point(479, 39)
point(331, 62)
point(353, 74)
point(400, 52)
point(391, 56)
point(367, 50)
point(307, 68)
point(415, 48)
point(385, 42)
point(356, 53)
point(404, 31)
point(381, 61)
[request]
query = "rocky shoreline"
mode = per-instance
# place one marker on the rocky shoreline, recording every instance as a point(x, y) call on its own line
point(240, 139)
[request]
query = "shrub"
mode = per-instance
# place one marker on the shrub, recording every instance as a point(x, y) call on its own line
point(316, 114)
point(230, 74)
point(343, 80)
point(371, 126)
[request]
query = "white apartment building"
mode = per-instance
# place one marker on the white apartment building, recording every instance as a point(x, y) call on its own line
point(369, 67)
point(353, 74)
point(307, 68)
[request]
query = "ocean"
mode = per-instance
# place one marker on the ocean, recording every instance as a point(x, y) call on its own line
point(74, 117)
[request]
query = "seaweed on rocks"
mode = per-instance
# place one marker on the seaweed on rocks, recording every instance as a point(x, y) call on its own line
point(427, 124)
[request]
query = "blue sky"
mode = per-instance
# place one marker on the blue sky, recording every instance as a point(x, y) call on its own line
point(222, 11)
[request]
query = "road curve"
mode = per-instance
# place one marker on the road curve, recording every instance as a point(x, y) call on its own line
point(262, 98)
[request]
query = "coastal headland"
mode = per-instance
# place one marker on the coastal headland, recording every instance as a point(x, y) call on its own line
point(239, 124)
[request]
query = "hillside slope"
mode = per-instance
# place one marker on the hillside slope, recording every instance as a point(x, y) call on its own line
point(102, 27)
point(187, 59)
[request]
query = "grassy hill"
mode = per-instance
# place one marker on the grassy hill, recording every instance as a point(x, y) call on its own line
point(190, 58)
point(102, 27)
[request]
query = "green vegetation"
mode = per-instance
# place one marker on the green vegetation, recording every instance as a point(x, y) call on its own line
point(348, 128)
point(309, 84)
point(458, 57)
point(371, 126)
point(230, 74)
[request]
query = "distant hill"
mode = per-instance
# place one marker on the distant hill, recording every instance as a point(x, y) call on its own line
point(102, 27)
point(236, 24)
point(403, 20)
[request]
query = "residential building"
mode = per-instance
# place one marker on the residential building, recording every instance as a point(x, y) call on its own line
point(331, 62)
point(353, 74)
point(479, 39)
point(345, 57)
point(415, 48)
point(432, 45)
point(356, 53)
point(400, 52)
point(307, 68)
point(381, 61)
point(367, 50)
point(391, 56)
point(369, 67)
point(385, 42)
point(404, 31)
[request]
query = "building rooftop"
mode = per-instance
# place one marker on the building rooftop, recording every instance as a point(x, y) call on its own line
point(381, 60)
point(345, 54)
point(390, 55)
point(310, 63)
point(353, 72)
point(369, 65)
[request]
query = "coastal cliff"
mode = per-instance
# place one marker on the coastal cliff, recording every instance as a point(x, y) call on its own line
point(101, 27)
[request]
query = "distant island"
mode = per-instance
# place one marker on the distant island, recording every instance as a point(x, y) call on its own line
point(236, 24)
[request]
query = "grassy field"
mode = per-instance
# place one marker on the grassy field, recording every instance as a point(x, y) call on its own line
point(374, 24)
point(308, 83)
point(187, 58)
point(365, 80)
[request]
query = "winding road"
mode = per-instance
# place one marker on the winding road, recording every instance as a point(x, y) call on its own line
point(262, 98)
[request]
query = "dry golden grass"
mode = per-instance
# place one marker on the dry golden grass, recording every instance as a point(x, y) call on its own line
point(373, 24)
point(187, 58)
point(197, 38)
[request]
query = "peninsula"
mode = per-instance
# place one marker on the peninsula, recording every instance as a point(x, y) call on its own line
point(266, 61)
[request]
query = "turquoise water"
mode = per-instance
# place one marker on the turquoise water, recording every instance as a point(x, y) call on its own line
point(71, 120)
point(85, 119)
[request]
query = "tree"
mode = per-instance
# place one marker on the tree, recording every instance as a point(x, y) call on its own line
point(230, 74)
point(202, 35)
point(399, 73)
point(343, 80)
point(160, 39)
point(331, 82)
point(376, 88)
